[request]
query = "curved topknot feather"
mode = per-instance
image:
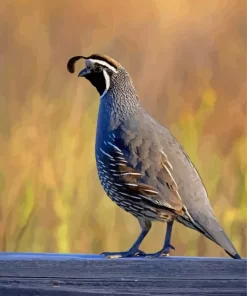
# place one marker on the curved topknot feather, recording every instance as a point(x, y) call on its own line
point(71, 63)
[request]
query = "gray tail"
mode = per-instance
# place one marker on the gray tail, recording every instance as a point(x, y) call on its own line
point(214, 232)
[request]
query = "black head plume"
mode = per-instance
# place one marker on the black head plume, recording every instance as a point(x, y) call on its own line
point(72, 61)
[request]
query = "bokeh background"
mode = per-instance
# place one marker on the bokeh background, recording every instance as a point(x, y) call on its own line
point(188, 63)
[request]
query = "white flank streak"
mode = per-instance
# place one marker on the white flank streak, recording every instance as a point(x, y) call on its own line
point(133, 174)
point(119, 152)
point(122, 161)
point(125, 203)
point(187, 212)
point(106, 153)
point(166, 159)
point(126, 174)
point(120, 158)
point(113, 138)
point(151, 191)
point(114, 146)
point(107, 83)
point(132, 196)
point(131, 184)
point(103, 64)
point(157, 201)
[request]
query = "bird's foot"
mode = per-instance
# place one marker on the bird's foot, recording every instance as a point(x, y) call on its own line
point(165, 252)
point(130, 253)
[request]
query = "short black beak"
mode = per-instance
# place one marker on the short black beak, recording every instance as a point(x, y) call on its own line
point(84, 72)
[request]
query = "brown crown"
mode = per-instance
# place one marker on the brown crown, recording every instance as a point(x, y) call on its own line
point(104, 58)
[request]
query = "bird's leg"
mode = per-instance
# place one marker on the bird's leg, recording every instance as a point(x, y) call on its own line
point(165, 251)
point(167, 245)
point(134, 250)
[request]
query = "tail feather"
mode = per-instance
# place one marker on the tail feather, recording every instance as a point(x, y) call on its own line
point(216, 234)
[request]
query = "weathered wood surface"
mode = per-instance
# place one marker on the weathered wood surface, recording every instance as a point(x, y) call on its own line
point(53, 274)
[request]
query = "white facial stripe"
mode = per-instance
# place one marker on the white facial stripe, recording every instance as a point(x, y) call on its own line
point(107, 83)
point(107, 79)
point(103, 64)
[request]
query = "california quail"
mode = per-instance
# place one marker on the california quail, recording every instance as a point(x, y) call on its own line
point(141, 166)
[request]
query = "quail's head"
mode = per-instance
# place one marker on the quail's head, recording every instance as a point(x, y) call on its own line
point(99, 70)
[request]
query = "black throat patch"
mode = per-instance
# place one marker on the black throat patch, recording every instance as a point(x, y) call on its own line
point(98, 81)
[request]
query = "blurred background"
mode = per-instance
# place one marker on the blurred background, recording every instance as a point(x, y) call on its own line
point(188, 62)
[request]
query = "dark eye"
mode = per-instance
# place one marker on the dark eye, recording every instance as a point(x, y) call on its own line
point(97, 69)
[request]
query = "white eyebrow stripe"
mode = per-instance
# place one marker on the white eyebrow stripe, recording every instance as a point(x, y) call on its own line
point(103, 64)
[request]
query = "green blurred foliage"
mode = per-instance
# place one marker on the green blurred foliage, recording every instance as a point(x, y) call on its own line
point(188, 62)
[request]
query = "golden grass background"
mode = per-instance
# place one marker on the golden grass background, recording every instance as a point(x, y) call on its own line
point(188, 63)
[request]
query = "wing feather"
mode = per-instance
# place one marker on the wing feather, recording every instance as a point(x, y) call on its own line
point(131, 179)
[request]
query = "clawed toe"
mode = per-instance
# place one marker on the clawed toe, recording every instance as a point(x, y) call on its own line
point(168, 248)
point(158, 254)
point(140, 253)
point(171, 247)
point(162, 253)
point(115, 255)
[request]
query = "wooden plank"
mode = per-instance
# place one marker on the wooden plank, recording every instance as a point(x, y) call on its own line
point(56, 274)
